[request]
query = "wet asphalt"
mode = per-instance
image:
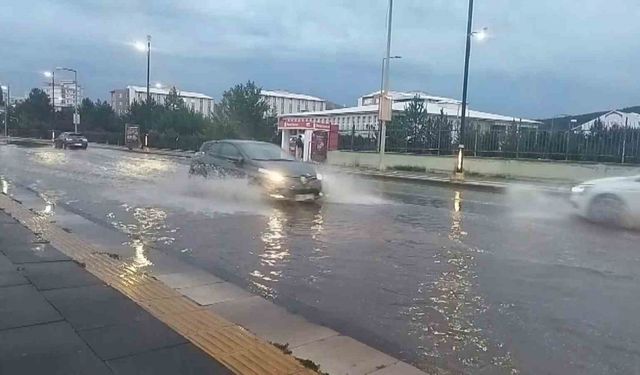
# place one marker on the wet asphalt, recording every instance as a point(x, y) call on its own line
point(450, 280)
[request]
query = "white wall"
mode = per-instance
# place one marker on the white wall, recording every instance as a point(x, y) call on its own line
point(523, 169)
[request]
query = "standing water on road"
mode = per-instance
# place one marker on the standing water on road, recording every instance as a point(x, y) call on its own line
point(453, 281)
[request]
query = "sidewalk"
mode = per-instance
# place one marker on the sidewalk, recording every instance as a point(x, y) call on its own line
point(57, 318)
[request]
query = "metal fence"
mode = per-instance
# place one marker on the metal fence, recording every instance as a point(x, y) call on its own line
point(619, 145)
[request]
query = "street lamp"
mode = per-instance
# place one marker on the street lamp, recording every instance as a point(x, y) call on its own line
point(480, 35)
point(145, 47)
point(385, 88)
point(6, 108)
point(52, 75)
point(76, 118)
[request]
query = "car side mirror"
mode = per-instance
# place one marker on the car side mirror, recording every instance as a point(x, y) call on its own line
point(237, 159)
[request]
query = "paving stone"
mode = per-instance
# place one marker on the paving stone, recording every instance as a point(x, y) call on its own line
point(34, 253)
point(188, 279)
point(130, 338)
point(182, 359)
point(399, 368)
point(22, 305)
point(344, 355)
point(12, 278)
point(55, 275)
point(214, 293)
point(50, 349)
point(101, 309)
point(16, 235)
point(273, 324)
point(6, 219)
point(6, 265)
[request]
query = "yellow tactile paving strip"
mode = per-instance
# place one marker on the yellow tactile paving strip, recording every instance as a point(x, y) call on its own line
point(236, 348)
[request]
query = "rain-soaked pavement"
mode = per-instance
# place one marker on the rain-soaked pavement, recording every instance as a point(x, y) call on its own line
point(463, 281)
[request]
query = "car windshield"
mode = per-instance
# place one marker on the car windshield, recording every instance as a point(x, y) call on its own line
point(75, 135)
point(265, 151)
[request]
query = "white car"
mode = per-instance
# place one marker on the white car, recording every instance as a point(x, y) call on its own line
point(613, 200)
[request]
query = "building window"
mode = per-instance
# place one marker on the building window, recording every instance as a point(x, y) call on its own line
point(290, 106)
point(297, 105)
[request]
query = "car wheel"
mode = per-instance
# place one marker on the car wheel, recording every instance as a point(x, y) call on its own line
point(607, 209)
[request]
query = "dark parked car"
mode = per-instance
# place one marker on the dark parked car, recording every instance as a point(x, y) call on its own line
point(71, 140)
point(262, 163)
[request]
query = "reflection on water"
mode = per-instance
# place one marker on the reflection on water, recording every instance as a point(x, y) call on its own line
point(150, 227)
point(444, 315)
point(49, 157)
point(283, 226)
point(274, 256)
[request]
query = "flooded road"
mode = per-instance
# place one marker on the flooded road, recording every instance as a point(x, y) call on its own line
point(452, 281)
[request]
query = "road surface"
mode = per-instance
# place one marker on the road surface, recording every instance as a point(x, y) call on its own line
point(450, 280)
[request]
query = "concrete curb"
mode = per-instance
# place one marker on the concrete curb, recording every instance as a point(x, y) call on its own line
point(491, 186)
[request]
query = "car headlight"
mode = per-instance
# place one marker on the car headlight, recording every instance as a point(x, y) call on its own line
point(67, 139)
point(578, 189)
point(319, 176)
point(273, 176)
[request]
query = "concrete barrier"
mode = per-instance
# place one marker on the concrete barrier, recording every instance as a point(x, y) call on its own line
point(492, 167)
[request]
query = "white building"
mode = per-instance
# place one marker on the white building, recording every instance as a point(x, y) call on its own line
point(613, 119)
point(284, 102)
point(122, 99)
point(365, 117)
point(64, 93)
point(403, 97)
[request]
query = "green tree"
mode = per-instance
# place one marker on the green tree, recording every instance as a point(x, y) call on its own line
point(173, 101)
point(35, 111)
point(99, 116)
point(245, 113)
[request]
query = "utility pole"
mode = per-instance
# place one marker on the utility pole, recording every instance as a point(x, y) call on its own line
point(148, 66)
point(463, 116)
point(385, 89)
point(6, 110)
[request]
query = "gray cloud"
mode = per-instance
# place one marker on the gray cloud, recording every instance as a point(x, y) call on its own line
point(543, 57)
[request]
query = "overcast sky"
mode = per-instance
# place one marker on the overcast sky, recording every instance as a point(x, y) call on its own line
point(542, 58)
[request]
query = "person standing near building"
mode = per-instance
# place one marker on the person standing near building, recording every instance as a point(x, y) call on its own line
point(300, 147)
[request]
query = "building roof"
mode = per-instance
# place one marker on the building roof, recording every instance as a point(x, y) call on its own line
point(290, 95)
point(408, 95)
point(432, 108)
point(613, 118)
point(163, 91)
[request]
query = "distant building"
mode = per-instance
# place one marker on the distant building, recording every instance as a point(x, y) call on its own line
point(612, 119)
point(403, 97)
point(284, 102)
point(122, 99)
point(365, 117)
point(64, 93)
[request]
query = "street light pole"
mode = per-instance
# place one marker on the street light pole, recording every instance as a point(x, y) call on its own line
point(385, 87)
point(381, 91)
point(463, 116)
point(148, 65)
point(52, 75)
point(6, 109)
